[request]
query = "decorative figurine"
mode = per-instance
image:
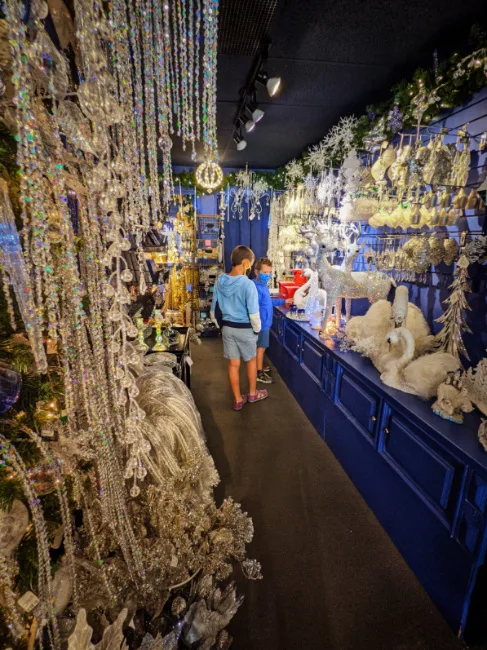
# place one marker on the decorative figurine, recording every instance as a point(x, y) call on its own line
point(142, 346)
point(452, 400)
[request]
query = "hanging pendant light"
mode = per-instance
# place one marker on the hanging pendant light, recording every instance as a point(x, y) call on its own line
point(209, 175)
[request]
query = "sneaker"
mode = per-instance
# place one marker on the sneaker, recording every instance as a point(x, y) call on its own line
point(266, 369)
point(264, 378)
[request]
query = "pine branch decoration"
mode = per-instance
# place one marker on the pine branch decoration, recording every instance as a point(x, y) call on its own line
point(453, 319)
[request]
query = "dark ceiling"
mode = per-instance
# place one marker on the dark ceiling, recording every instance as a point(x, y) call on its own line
point(334, 57)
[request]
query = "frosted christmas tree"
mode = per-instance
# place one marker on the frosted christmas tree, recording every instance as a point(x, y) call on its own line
point(454, 321)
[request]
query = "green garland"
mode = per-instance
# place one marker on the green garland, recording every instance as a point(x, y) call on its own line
point(453, 82)
point(187, 179)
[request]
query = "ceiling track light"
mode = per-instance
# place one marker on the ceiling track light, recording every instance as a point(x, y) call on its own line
point(249, 125)
point(271, 83)
point(249, 113)
point(256, 112)
point(239, 140)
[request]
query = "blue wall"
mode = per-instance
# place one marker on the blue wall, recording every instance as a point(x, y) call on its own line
point(430, 295)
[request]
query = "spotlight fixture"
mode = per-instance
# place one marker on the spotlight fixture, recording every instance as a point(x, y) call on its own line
point(257, 113)
point(249, 125)
point(239, 141)
point(272, 84)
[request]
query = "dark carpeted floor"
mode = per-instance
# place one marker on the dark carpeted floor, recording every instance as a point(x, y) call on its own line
point(333, 580)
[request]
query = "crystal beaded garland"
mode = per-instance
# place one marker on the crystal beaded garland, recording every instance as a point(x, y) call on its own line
point(209, 176)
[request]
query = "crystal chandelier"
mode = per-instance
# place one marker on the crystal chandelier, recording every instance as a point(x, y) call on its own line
point(249, 191)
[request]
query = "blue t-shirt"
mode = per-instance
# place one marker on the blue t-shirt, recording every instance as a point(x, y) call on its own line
point(236, 296)
point(266, 304)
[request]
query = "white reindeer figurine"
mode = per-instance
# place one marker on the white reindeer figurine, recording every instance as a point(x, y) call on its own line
point(351, 252)
point(345, 284)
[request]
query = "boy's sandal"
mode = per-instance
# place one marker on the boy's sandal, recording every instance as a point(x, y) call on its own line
point(259, 395)
point(237, 406)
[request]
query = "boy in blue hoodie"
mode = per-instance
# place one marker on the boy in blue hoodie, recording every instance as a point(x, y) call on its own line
point(263, 275)
point(237, 298)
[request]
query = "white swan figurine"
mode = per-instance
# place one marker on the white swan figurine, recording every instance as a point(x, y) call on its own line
point(420, 376)
point(304, 293)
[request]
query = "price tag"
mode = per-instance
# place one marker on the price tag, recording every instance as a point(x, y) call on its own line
point(189, 361)
point(28, 601)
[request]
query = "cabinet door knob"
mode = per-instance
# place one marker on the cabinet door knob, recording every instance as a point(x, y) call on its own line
point(386, 431)
point(373, 418)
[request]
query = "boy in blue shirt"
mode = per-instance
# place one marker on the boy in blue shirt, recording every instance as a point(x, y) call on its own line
point(263, 275)
point(237, 298)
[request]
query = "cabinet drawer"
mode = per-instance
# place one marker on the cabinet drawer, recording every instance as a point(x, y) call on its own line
point(472, 516)
point(312, 359)
point(292, 340)
point(358, 403)
point(329, 375)
point(432, 472)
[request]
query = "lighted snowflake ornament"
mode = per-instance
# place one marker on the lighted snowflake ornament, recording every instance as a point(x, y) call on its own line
point(317, 158)
point(310, 182)
point(294, 172)
point(339, 140)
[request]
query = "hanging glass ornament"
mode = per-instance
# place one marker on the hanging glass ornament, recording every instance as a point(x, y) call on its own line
point(75, 126)
point(209, 176)
point(165, 142)
point(10, 384)
point(97, 100)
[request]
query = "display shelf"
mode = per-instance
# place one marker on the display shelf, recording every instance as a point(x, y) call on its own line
point(425, 478)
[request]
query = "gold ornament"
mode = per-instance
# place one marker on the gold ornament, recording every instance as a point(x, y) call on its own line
point(209, 176)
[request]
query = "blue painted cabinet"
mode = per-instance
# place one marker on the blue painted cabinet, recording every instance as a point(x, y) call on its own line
point(424, 478)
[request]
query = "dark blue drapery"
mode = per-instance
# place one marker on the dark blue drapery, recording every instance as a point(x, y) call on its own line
point(254, 234)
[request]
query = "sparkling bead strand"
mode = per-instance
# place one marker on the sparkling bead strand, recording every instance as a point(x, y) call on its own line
point(206, 73)
point(191, 73)
point(60, 488)
point(10, 455)
point(171, 73)
point(197, 71)
point(181, 20)
point(150, 105)
point(162, 66)
point(8, 298)
point(177, 101)
point(11, 612)
point(91, 532)
point(127, 161)
point(164, 100)
point(139, 113)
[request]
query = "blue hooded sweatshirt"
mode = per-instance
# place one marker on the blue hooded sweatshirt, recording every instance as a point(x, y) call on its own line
point(266, 304)
point(237, 298)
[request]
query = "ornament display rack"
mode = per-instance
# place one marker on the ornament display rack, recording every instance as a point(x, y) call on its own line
point(424, 477)
point(209, 236)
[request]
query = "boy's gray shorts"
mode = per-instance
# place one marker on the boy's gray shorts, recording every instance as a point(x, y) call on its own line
point(239, 343)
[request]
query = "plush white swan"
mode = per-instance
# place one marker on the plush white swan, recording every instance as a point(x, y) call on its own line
point(368, 333)
point(419, 377)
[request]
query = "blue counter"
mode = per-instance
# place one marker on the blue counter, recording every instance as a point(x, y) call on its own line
point(424, 478)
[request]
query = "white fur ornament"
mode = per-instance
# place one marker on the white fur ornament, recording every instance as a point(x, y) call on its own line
point(12, 527)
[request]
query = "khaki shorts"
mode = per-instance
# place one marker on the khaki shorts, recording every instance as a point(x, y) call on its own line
point(239, 343)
